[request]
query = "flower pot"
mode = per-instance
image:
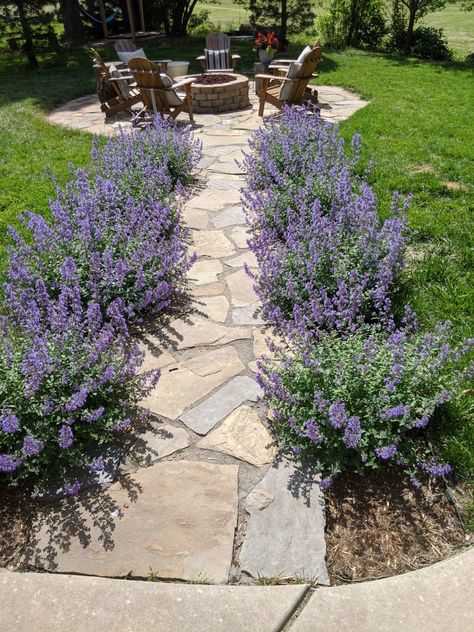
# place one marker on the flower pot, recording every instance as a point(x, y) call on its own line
point(265, 57)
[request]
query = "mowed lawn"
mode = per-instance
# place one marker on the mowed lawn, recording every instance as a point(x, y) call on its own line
point(417, 128)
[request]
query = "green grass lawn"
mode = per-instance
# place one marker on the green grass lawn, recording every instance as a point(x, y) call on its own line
point(417, 128)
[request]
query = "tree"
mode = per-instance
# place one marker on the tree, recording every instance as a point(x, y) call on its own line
point(175, 14)
point(74, 31)
point(287, 16)
point(416, 10)
point(26, 16)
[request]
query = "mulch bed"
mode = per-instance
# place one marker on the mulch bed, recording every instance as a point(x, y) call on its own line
point(378, 526)
point(16, 508)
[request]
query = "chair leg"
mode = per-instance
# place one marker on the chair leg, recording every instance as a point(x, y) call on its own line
point(262, 94)
point(189, 102)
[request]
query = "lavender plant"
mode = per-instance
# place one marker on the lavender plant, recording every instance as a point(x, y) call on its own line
point(361, 401)
point(326, 260)
point(68, 384)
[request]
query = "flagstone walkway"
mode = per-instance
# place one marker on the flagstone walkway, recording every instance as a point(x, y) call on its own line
point(200, 495)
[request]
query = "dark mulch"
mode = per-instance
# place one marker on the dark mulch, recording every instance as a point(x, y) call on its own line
point(214, 79)
point(378, 526)
point(16, 506)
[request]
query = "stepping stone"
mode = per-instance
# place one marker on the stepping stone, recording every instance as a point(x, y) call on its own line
point(205, 416)
point(195, 217)
point(155, 357)
point(225, 167)
point(235, 156)
point(211, 289)
point(38, 602)
point(211, 243)
point(156, 443)
point(243, 436)
point(285, 532)
point(240, 235)
point(204, 272)
point(176, 519)
point(241, 289)
point(229, 217)
point(240, 260)
point(211, 200)
point(222, 150)
point(196, 331)
point(214, 307)
point(183, 384)
point(227, 185)
point(247, 315)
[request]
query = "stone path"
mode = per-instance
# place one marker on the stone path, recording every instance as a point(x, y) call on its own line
point(199, 496)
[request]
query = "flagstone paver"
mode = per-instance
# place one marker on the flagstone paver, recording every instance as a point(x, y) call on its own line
point(205, 416)
point(242, 435)
point(176, 519)
point(285, 533)
point(174, 508)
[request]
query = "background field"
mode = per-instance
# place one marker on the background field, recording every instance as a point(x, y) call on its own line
point(457, 24)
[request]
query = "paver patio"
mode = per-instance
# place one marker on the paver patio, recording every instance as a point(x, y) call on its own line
point(202, 478)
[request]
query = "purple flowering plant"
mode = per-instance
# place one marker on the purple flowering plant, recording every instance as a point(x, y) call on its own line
point(363, 400)
point(69, 381)
point(326, 260)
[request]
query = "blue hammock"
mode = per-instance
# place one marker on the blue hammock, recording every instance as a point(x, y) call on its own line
point(92, 18)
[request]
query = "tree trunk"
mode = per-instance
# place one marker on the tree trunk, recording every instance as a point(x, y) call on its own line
point(73, 27)
point(284, 24)
point(411, 24)
point(29, 47)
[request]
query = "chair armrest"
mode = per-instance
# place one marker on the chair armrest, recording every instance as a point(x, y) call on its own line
point(201, 58)
point(235, 56)
point(276, 78)
point(124, 78)
point(183, 82)
point(284, 61)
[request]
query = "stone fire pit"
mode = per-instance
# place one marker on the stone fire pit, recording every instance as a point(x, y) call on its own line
point(222, 96)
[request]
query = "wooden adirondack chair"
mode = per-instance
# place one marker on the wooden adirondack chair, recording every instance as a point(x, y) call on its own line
point(278, 63)
point(113, 89)
point(292, 88)
point(125, 46)
point(159, 92)
point(218, 63)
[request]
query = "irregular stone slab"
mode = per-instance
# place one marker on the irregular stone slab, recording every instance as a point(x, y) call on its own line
point(240, 235)
point(246, 258)
point(210, 289)
point(212, 243)
point(205, 416)
point(235, 156)
point(225, 167)
point(243, 436)
point(247, 315)
point(241, 289)
point(175, 518)
point(437, 598)
point(183, 384)
point(229, 217)
point(196, 331)
point(214, 307)
point(211, 200)
point(285, 533)
point(195, 217)
point(155, 357)
point(260, 347)
point(43, 602)
point(204, 272)
point(155, 443)
point(215, 181)
point(221, 150)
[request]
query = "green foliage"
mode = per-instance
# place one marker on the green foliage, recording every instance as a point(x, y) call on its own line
point(297, 15)
point(359, 23)
point(430, 43)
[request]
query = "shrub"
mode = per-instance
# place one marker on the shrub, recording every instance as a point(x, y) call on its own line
point(326, 261)
point(361, 402)
point(430, 43)
point(351, 23)
point(68, 383)
point(123, 234)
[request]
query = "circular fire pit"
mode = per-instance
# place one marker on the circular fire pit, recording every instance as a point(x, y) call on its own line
point(219, 93)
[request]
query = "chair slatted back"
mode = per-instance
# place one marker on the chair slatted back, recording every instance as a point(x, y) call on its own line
point(147, 77)
point(218, 41)
point(103, 74)
point(125, 46)
point(304, 75)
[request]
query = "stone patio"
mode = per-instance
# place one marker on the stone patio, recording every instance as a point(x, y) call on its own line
point(199, 495)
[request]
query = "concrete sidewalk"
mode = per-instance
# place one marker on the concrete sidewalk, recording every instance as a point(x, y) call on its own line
point(439, 598)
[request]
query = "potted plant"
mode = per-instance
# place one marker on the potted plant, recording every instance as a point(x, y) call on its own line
point(266, 45)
